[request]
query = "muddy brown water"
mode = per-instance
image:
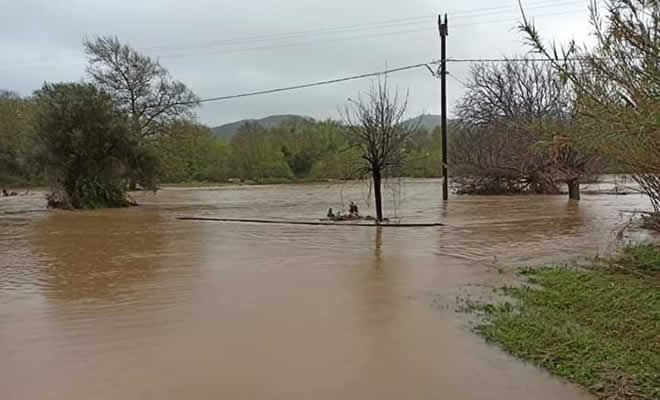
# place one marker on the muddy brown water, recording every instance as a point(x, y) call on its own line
point(135, 304)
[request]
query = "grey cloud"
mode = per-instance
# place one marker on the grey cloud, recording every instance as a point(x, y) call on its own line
point(42, 42)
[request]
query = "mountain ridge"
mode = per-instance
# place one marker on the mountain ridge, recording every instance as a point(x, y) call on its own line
point(428, 122)
point(271, 121)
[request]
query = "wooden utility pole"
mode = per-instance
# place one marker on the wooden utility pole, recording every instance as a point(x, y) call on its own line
point(444, 31)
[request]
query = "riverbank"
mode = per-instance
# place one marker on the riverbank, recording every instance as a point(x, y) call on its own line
point(597, 326)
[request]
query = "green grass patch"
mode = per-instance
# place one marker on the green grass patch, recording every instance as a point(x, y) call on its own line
point(641, 259)
point(599, 328)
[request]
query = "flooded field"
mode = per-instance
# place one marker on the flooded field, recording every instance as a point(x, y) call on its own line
point(135, 304)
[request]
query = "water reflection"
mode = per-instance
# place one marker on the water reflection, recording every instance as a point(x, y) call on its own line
point(96, 255)
point(379, 243)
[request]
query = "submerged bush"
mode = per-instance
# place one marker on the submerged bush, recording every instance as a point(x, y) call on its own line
point(87, 148)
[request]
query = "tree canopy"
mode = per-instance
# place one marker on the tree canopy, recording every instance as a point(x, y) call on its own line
point(140, 86)
point(86, 146)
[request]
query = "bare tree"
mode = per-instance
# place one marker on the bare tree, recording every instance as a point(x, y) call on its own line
point(512, 91)
point(570, 164)
point(513, 112)
point(375, 123)
point(499, 159)
point(139, 85)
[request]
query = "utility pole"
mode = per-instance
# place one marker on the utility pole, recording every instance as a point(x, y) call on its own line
point(444, 31)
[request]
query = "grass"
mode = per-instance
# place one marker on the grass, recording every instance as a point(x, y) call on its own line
point(641, 259)
point(599, 327)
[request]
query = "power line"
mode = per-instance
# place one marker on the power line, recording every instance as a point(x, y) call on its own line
point(297, 44)
point(532, 6)
point(516, 20)
point(392, 22)
point(293, 34)
point(417, 20)
point(452, 76)
point(400, 22)
point(309, 41)
point(371, 74)
point(488, 60)
point(514, 6)
point(312, 84)
point(530, 59)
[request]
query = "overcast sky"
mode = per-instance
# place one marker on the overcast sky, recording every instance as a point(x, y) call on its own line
point(220, 47)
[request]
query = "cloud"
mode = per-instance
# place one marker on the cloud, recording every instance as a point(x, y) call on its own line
point(226, 47)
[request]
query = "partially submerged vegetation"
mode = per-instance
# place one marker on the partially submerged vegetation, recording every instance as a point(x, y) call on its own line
point(522, 127)
point(598, 326)
point(613, 86)
point(85, 145)
point(376, 127)
point(186, 151)
point(92, 142)
point(508, 140)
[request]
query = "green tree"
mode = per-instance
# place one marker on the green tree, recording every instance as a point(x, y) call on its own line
point(191, 152)
point(142, 89)
point(16, 138)
point(87, 146)
point(424, 158)
point(304, 143)
point(339, 159)
point(256, 155)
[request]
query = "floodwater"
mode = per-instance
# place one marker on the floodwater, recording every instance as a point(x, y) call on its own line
point(135, 304)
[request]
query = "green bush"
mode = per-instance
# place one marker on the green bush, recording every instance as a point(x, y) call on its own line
point(87, 148)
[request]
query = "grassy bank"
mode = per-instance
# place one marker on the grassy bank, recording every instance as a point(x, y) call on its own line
point(598, 327)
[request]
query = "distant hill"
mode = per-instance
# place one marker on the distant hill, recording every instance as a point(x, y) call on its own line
point(428, 122)
point(432, 121)
point(273, 121)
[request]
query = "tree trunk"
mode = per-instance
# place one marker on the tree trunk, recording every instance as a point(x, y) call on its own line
point(573, 189)
point(377, 196)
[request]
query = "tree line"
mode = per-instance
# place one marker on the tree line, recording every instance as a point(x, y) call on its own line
point(182, 150)
point(522, 126)
point(188, 151)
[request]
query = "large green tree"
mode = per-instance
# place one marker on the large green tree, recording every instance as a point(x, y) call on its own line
point(87, 146)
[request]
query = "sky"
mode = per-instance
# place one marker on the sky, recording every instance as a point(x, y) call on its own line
point(220, 47)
